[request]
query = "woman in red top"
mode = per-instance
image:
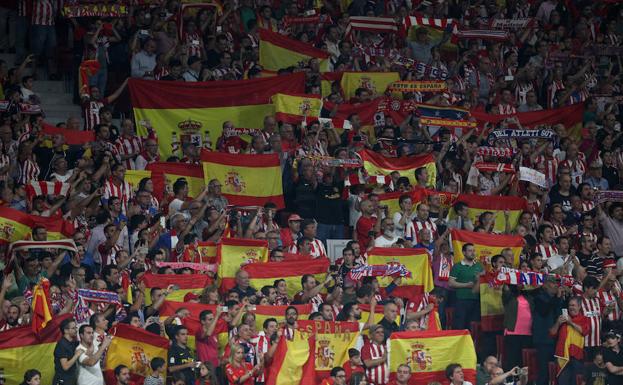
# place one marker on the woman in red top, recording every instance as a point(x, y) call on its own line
point(238, 371)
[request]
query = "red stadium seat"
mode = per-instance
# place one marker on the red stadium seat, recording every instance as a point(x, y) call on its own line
point(529, 359)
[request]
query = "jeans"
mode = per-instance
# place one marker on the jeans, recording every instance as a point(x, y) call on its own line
point(466, 311)
point(8, 19)
point(545, 355)
point(570, 372)
point(21, 32)
point(325, 231)
point(99, 80)
point(43, 40)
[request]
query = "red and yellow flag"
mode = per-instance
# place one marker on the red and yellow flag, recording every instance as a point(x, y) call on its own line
point(293, 361)
point(375, 82)
point(428, 353)
point(486, 245)
point(331, 343)
point(378, 314)
point(262, 274)
point(22, 349)
point(262, 313)
point(377, 164)
point(134, 177)
point(135, 348)
point(14, 225)
point(193, 323)
point(491, 306)
point(478, 204)
point(57, 228)
point(415, 260)
point(278, 51)
point(570, 343)
point(232, 253)
point(294, 108)
point(247, 180)
point(187, 283)
point(207, 252)
point(41, 307)
point(326, 81)
point(391, 200)
point(187, 112)
point(164, 174)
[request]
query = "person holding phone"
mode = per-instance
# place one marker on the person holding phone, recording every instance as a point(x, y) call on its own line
point(570, 330)
point(238, 370)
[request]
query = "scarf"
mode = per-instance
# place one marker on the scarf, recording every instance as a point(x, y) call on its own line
point(495, 167)
point(193, 266)
point(608, 196)
point(82, 312)
point(389, 270)
point(531, 278)
point(521, 133)
point(419, 86)
point(501, 152)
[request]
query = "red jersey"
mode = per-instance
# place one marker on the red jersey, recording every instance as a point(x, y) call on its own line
point(363, 227)
point(378, 375)
point(235, 372)
point(350, 370)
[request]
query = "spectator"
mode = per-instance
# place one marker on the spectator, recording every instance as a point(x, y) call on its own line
point(463, 278)
point(66, 354)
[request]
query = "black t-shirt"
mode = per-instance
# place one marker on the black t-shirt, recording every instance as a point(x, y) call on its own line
point(595, 375)
point(65, 349)
point(565, 200)
point(615, 359)
point(67, 268)
point(178, 356)
point(329, 204)
point(388, 327)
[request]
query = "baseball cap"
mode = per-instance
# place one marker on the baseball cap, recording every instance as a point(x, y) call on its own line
point(294, 217)
point(613, 334)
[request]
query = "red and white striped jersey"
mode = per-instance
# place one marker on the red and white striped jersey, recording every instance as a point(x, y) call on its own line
point(22, 8)
point(43, 12)
point(609, 298)
point(578, 168)
point(591, 308)
point(123, 192)
point(559, 230)
point(546, 250)
point(194, 43)
point(126, 146)
point(315, 301)
point(262, 343)
point(379, 375)
point(110, 257)
point(587, 205)
point(5, 161)
point(549, 166)
point(28, 171)
point(91, 112)
point(317, 249)
point(413, 228)
point(521, 92)
point(590, 235)
point(506, 109)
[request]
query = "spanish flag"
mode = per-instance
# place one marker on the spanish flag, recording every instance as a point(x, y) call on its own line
point(378, 315)
point(391, 200)
point(570, 342)
point(41, 307)
point(570, 116)
point(164, 174)
point(57, 228)
point(134, 177)
point(189, 111)
point(193, 323)
point(14, 225)
point(72, 137)
point(478, 204)
point(486, 245)
point(290, 108)
point(293, 361)
point(135, 348)
point(375, 82)
point(263, 274)
point(377, 164)
point(491, 306)
point(332, 341)
point(188, 283)
point(22, 349)
point(326, 81)
point(207, 252)
point(262, 313)
point(232, 253)
point(428, 353)
point(415, 260)
point(278, 51)
point(247, 180)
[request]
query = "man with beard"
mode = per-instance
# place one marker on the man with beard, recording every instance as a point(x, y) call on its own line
point(89, 371)
point(12, 319)
point(292, 316)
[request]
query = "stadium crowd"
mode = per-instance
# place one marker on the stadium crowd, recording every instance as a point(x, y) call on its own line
point(121, 232)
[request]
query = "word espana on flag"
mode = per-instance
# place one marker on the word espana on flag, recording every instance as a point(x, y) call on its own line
point(418, 86)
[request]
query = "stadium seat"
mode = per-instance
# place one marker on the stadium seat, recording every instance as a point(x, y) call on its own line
point(529, 359)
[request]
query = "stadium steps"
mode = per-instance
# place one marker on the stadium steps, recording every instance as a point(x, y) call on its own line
point(56, 95)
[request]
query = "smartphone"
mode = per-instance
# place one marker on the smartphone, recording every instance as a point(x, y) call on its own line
point(219, 29)
point(224, 309)
point(175, 287)
point(509, 78)
point(163, 222)
point(565, 312)
point(197, 364)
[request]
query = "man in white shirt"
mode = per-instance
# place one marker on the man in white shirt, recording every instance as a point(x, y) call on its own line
point(388, 237)
point(89, 370)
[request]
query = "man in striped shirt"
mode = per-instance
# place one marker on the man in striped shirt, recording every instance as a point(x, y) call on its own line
point(264, 348)
point(374, 356)
point(591, 309)
point(128, 145)
point(118, 187)
point(317, 249)
point(43, 32)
